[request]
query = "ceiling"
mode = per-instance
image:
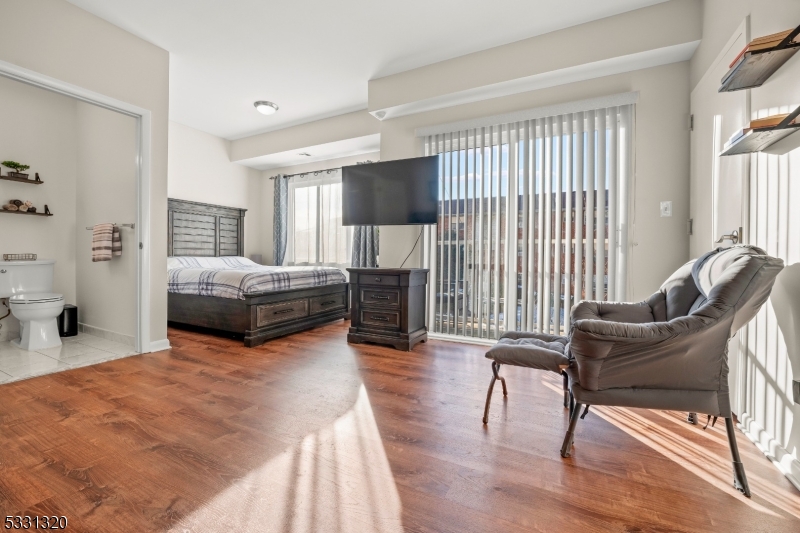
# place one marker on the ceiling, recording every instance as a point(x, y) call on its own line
point(320, 152)
point(314, 57)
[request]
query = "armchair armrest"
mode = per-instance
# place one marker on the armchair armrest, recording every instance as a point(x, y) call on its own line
point(605, 330)
point(634, 313)
point(686, 353)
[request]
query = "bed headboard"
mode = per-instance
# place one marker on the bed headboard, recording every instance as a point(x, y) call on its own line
point(204, 229)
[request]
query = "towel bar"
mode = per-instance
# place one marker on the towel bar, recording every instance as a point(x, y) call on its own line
point(132, 226)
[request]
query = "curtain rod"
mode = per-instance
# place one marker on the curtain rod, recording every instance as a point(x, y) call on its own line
point(317, 172)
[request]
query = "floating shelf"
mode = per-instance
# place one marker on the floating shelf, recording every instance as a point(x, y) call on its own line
point(759, 139)
point(21, 180)
point(754, 68)
point(26, 213)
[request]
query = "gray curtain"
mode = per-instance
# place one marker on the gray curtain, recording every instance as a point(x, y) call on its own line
point(365, 247)
point(280, 222)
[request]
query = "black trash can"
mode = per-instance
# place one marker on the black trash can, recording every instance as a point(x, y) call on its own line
point(68, 321)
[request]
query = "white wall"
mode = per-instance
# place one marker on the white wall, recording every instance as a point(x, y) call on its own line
point(39, 130)
point(662, 25)
point(57, 39)
point(268, 191)
point(772, 343)
point(200, 170)
point(320, 132)
point(106, 192)
point(662, 163)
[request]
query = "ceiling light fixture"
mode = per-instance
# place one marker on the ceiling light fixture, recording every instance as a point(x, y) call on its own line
point(266, 108)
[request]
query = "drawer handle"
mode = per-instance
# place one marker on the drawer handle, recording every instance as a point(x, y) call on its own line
point(375, 297)
point(378, 279)
point(329, 302)
point(283, 311)
point(381, 318)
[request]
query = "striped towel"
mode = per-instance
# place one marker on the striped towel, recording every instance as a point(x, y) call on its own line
point(116, 242)
point(105, 242)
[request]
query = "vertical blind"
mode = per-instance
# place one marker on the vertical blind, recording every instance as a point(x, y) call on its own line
point(533, 217)
point(766, 406)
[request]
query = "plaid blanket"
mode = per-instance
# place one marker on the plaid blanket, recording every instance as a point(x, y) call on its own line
point(235, 277)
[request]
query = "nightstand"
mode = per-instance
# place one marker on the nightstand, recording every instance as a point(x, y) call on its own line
point(387, 306)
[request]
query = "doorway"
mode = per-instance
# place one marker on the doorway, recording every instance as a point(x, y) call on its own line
point(141, 171)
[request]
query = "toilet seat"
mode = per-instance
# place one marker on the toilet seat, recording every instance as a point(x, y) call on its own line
point(37, 299)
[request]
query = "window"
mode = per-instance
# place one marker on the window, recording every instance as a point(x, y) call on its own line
point(541, 207)
point(316, 234)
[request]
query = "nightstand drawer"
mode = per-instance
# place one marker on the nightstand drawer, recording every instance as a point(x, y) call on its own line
point(323, 304)
point(381, 319)
point(281, 312)
point(378, 279)
point(380, 297)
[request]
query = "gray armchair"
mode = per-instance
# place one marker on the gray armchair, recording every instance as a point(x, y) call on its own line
point(668, 352)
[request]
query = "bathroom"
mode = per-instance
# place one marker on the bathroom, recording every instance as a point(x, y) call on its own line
point(85, 157)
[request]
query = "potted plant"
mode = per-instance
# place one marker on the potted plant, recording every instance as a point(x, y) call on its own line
point(18, 169)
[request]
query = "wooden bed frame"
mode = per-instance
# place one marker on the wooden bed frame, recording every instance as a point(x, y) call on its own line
point(206, 230)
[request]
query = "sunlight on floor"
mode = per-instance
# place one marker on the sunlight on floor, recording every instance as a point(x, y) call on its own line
point(336, 480)
point(711, 465)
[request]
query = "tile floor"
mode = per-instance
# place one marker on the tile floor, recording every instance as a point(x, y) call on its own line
point(81, 350)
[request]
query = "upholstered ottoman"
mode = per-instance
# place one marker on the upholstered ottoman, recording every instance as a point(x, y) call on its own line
point(540, 351)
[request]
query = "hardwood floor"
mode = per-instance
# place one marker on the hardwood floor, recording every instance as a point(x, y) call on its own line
point(308, 433)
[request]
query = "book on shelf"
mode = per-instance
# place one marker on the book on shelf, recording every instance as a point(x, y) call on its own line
point(759, 123)
point(764, 43)
point(735, 137)
point(770, 121)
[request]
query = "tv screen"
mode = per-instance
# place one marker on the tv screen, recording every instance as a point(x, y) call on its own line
point(391, 193)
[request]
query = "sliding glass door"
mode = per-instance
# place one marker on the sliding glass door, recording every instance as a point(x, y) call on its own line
point(533, 217)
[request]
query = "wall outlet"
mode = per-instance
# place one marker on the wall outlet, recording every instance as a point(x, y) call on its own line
point(666, 208)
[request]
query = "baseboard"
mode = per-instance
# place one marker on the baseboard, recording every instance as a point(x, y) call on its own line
point(157, 346)
point(461, 339)
point(775, 452)
point(130, 340)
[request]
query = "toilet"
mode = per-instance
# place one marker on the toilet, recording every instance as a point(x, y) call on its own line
point(28, 285)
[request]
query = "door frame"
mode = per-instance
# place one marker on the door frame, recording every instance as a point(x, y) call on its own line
point(737, 362)
point(143, 119)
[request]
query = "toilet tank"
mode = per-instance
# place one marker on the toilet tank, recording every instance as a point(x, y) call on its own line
point(19, 277)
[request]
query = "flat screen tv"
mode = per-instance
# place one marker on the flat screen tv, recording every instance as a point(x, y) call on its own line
point(391, 193)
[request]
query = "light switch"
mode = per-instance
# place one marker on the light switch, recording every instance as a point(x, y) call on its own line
point(666, 208)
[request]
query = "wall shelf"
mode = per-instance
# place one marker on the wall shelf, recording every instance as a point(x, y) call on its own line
point(759, 139)
point(26, 213)
point(21, 180)
point(754, 68)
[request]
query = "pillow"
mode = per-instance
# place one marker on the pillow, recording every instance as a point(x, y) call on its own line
point(217, 263)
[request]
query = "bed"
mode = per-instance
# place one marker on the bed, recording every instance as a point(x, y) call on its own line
point(210, 284)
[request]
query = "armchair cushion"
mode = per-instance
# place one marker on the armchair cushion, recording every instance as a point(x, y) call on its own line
point(533, 350)
point(676, 295)
point(705, 402)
